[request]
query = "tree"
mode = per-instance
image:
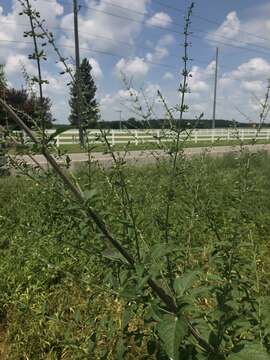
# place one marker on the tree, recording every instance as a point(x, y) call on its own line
point(87, 103)
point(24, 101)
point(29, 105)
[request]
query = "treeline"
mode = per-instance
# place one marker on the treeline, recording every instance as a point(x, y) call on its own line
point(163, 123)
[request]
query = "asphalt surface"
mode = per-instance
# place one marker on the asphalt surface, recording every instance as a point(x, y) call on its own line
point(143, 156)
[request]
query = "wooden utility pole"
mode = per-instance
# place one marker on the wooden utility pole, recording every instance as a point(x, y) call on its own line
point(215, 92)
point(78, 75)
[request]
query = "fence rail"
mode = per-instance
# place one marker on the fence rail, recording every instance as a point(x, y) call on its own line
point(71, 137)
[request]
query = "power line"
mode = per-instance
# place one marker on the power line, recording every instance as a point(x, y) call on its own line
point(175, 31)
point(234, 46)
point(116, 41)
point(157, 50)
point(148, 48)
point(177, 24)
point(178, 32)
point(182, 11)
point(151, 62)
point(99, 52)
point(121, 55)
point(144, 22)
point(215, 22)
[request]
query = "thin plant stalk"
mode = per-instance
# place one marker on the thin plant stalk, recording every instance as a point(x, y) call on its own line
point(166, 299)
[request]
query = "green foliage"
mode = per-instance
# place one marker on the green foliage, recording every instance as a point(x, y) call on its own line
point(83, 95)
point(172, 331)
point(165, 262)
point(65, 294)
point(29, 106)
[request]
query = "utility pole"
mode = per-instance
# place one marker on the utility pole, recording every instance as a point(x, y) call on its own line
point(120, 118)
point(78, 75)
point(215, 92)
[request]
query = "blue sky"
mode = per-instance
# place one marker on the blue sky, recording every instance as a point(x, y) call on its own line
point(142, 39)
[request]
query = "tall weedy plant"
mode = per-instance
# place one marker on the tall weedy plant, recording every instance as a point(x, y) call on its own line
point(192, 277)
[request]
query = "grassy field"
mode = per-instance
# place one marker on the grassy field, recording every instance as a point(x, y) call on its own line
point(64, 295)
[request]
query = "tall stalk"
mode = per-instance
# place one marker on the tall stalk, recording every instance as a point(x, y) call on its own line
point(183, 89)
point(37, 55)
point(168, 300)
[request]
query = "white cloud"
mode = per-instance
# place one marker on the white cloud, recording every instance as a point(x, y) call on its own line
point(104, 32)
point(135, 68)
point(253, 30)
point(253, 69)
point(168, 76)
point(198, 82)
point(229, 28)
point(253, 86)
point(14, 64)
point(166, 40)
point(160, 50)
point(125, 100)
point(96, 69)
point(160, 19)
point(158, 54)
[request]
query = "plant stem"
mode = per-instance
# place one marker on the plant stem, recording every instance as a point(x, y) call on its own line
point(37, 58)
point(164, 297)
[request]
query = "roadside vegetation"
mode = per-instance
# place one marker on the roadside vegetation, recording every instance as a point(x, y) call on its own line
point(168, 261)
point(66, 296)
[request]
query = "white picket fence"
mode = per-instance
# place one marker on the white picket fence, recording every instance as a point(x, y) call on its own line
point(71, 137)
point(137, 137)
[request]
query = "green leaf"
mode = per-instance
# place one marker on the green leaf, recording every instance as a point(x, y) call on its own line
point(89, 194)
point(127, 316)
point(251, 352)
point(184, 282)
point(171, 331)
point(120, 349)
point(77, 315)
point(160, 250)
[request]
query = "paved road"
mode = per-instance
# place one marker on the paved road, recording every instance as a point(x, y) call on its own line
point(146, 156)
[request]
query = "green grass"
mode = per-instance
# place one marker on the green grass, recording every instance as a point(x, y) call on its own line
point(59, 302)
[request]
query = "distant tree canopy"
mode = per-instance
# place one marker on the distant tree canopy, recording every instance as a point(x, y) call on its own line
point(133, 123)
point(28, 104)
point(86, 100)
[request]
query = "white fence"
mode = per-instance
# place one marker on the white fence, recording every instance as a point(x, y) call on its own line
point(136, 137)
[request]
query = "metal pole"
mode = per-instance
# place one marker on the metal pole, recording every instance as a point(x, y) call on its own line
point(215, 92)
point(77, 78)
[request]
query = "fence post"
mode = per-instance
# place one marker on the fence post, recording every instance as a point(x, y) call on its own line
point(228, 134)
point(158, 137)
point(57, 141)
point(196, 136)
point(136, 137)
point(242, 135)
point(113, 139)
point(213, 135)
